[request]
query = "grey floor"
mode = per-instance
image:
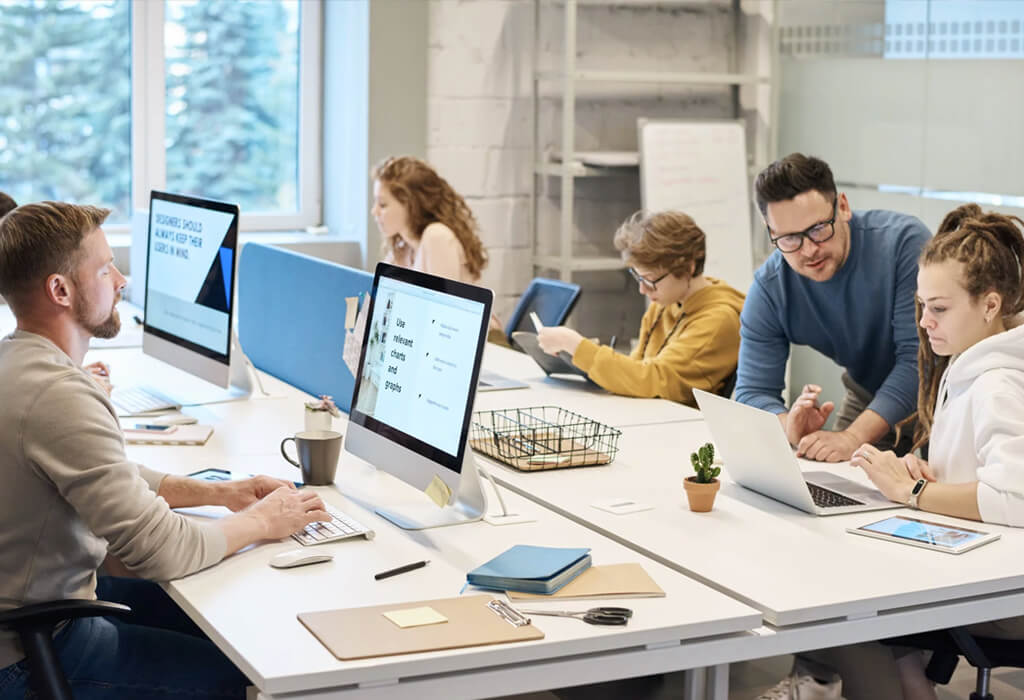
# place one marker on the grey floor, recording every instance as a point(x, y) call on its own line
point(749, 679)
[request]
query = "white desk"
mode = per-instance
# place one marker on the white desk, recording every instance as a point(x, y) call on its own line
point(572, 393)
point(816, 584)
point(249, 609)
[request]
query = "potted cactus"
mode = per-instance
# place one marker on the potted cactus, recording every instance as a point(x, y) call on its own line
point(702, 487)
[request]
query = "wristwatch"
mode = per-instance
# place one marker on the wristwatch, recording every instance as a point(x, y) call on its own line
point(915, 493)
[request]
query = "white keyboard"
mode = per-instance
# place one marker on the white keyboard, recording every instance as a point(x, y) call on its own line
point(341, 527)
point(138, 399)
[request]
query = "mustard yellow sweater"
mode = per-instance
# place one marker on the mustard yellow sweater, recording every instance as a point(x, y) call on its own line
point(700, 354)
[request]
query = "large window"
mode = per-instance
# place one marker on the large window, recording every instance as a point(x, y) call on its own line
point(103, 100)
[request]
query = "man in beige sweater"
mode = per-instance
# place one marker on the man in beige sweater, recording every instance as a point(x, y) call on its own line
point(70, 495)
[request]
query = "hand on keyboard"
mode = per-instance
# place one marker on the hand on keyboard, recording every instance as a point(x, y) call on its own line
point(286, 510)
point(239, 495)
point(339, 527)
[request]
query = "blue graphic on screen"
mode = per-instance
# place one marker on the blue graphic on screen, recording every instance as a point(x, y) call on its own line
point(189, 276)
point(923, 532)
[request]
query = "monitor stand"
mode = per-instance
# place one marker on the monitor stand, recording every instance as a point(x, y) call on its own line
point(469, 506)
point(198, 392)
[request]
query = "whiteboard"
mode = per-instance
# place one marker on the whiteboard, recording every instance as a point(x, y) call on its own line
point(700, 168)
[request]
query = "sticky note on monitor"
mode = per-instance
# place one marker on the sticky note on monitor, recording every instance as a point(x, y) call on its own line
point(415, 617)
point(438, 492)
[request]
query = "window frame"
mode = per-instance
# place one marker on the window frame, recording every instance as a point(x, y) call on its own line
point(149, 163)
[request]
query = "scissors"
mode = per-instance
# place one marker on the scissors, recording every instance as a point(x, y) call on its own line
point(593, 616)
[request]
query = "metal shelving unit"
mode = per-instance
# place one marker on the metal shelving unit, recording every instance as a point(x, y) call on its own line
point(572, 79)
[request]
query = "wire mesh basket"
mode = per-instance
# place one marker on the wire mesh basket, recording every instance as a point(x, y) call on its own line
point(543, 437)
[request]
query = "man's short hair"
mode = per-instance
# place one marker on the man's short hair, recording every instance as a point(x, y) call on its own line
point(793, 175)
point(6, 204)
point(41, 239)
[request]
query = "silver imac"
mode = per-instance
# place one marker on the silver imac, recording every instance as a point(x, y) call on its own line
point(189, 303)
point(414, 392)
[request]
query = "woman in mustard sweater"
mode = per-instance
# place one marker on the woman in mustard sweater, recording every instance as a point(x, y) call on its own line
point(690, 334)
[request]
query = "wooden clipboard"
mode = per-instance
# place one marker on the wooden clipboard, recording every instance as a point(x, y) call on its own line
point(607, 581)
point(360, 633)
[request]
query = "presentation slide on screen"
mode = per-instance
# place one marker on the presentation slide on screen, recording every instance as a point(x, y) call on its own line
point(419, 361)
point(188, 288)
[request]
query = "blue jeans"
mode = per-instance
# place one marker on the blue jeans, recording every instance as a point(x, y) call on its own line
point(156, 652)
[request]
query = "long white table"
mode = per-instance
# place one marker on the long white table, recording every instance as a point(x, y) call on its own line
point(815, 584)
point(249, 609)
point(811, 584)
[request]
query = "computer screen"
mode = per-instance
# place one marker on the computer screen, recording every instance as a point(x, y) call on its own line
point(420, 363)
point(190, 272)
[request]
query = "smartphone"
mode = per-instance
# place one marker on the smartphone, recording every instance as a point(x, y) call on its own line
point(952, 539)
point(213, 474)
point(151, 428)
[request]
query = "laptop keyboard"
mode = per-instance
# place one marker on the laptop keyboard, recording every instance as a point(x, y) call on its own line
point(137, 399)
point(823, 498)
point(340, 527)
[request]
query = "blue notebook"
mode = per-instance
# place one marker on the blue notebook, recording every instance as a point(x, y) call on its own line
point(531, 569)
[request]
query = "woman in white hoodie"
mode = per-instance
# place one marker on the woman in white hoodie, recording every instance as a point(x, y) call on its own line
point(970, 296)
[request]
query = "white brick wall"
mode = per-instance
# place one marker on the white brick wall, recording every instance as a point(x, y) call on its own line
point(479, 129)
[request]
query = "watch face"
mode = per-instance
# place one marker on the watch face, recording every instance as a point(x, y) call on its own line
point(918, 487)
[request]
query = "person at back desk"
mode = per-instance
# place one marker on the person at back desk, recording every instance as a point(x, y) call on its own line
point(70, 494)
point(689, 336)
point(426, 224)
point(843, 283)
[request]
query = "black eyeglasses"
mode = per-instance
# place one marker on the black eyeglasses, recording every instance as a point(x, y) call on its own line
point(819, 233)
point(648, 284)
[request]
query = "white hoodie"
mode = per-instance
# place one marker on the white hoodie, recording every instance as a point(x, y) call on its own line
point(978, 431)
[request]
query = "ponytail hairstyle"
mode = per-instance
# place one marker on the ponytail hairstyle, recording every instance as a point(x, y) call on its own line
point(429, 198)
point(991, 248)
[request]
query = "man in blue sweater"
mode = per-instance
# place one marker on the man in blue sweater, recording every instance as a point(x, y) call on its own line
point(844, 284)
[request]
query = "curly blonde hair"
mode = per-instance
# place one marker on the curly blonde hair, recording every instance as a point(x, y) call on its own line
point(428, 198)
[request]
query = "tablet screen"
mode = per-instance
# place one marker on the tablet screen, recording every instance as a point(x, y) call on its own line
point(921, 531)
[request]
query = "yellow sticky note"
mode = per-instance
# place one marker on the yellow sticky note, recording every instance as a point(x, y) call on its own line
point(438, 492)
point(351, 308)
point(415, 617)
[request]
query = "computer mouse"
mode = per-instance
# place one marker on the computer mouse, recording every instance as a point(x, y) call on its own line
point(173, 419)
point(298, 557)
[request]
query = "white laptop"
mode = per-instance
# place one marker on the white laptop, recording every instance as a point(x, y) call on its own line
point(758, 456)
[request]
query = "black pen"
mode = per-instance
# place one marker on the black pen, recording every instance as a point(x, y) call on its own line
point(137, 319)
point(401, 570)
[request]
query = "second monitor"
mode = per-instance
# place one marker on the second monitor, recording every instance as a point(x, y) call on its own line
point(414, 391)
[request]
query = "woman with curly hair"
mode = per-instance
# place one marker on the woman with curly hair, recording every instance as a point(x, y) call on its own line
point(426, 225)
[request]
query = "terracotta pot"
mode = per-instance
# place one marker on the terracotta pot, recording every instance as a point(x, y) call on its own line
point(701, 496)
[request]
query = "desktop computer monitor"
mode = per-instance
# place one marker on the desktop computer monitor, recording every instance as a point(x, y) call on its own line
point(414, 391)
point(189, 304)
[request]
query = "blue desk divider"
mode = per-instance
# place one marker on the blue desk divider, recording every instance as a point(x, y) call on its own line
point(291, 317)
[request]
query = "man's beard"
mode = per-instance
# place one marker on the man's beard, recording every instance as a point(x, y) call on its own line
point(105, 329)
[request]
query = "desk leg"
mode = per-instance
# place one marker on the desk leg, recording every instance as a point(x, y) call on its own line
point(693, 684)
point(717, 682)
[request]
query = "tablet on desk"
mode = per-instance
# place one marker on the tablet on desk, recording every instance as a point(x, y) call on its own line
point(952, 539)
point(551, 364)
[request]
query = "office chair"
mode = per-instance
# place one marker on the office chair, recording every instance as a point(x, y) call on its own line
point(947, 646)
point(729, 386)
point(551, 300)
point(35, 625)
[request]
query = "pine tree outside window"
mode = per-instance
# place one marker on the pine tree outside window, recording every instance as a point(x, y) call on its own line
point(104, 100)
